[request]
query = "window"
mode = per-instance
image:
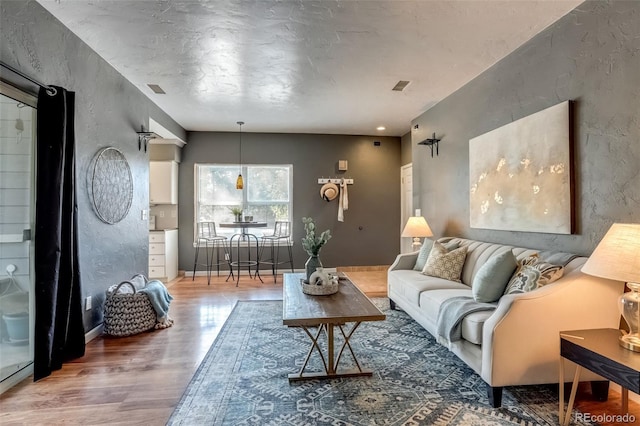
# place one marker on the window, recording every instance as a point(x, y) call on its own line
point(266, 195)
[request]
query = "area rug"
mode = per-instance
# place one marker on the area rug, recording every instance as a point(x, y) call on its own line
point(416, 381)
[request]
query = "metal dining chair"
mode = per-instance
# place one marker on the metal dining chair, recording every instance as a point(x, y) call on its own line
point(281, 233)
point(208, 238)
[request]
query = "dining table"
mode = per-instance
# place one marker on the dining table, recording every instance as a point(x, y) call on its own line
point(244, 236)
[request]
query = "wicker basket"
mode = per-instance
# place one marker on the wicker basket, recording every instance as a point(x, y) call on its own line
point(319, 290)
point(127, 313)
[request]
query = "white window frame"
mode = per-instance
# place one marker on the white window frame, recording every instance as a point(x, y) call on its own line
point(228, 232)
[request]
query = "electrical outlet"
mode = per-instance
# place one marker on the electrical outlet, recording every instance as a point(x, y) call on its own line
point(161, 213)
point(145, 215)
point(87, 303)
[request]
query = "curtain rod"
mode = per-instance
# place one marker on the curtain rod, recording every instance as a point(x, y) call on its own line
point(50, 90)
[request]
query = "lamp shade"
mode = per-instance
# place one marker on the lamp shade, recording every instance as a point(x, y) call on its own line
point(617, 257)
point(417, 227)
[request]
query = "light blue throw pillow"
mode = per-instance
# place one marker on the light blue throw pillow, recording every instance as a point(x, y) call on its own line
point(492, 277)
point(427, 244)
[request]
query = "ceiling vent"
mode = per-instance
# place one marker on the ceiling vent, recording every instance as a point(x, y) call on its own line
point(399, 87)
point(156, 89)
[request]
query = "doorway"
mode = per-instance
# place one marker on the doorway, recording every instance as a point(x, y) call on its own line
point(406, 203)
point(17, 144)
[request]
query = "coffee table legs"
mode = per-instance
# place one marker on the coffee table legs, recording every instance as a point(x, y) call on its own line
point(329, 360)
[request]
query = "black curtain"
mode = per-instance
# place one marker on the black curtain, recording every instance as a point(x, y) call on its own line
point(59, 331)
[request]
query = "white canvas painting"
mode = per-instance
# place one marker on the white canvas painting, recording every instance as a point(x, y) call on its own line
point(520, 174)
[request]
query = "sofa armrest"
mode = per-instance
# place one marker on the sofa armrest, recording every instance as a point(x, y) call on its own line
point(404, 261)
point(521, 342)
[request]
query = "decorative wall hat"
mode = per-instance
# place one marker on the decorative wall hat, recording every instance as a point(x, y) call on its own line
point(329, 191)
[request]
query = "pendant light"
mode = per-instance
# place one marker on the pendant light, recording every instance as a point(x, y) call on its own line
point(240, 181)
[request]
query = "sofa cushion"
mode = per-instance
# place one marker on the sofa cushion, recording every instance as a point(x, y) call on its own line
point(492, 278)
point(443, 263)
point(531, 275)
point(472, 324)
point(409, 284)
point(431, 300)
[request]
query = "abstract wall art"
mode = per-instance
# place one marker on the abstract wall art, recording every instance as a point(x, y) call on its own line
point(520, 174)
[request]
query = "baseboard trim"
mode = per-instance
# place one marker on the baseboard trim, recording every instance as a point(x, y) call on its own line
point(362, 268)
point(92, 334)
point(263, 271)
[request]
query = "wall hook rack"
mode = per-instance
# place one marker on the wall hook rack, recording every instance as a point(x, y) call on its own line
point(322, 181)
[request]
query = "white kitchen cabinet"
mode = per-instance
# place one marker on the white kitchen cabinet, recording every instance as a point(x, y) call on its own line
point(163, 182)
point(163, 254)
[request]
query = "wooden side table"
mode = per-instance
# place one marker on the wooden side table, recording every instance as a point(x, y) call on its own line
point(598, 350)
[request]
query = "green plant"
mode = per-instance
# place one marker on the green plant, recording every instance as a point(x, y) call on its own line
point(236, 210)
point(310, 242)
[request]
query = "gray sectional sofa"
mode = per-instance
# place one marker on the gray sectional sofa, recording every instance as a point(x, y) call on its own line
point(517, 343)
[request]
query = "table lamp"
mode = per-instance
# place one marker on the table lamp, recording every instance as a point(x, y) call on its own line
point(617, 257)
point(416, 227)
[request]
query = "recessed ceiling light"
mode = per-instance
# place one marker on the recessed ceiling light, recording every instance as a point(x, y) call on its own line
point(381, 128)
point(156, 89)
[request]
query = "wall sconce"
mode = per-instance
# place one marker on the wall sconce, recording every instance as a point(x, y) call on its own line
point(144, 138)
point(430, 142)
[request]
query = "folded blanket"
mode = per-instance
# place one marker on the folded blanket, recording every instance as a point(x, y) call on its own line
point(450, 315)
point(160, 300)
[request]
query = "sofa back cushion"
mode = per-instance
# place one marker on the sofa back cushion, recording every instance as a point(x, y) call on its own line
point(479, 252)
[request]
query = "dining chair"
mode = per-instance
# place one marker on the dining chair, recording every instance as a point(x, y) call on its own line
point(208, 238)
point(281, 235)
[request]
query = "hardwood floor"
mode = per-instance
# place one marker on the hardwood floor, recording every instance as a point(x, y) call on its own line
point(140, 379)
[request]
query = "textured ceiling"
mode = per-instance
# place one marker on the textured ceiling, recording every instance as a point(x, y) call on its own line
point(303, 66)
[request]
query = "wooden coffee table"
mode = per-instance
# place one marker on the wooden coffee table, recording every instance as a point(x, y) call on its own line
point(325, 314)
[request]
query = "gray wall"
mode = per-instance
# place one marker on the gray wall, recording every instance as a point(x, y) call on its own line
point(109, 110)
point(370, 233)
point(591, 56)
point(405, 150)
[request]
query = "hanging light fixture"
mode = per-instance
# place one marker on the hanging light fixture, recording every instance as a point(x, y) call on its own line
point(240, 181)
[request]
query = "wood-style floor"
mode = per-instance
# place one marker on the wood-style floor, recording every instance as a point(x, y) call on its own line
point(140, 379)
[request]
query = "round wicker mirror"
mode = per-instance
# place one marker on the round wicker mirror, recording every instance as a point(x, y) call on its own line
point(111, 185)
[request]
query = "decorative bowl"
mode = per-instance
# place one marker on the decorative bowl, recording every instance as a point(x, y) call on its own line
point(319, 290)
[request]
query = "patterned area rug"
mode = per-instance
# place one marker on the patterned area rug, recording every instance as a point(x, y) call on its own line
point(416, 381)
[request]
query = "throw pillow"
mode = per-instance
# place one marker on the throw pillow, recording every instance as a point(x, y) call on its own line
point(531, 275)
point(492, 278)
point(445, 264)
point(423, 254)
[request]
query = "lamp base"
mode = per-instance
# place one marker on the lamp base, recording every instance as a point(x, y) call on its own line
point(630, 342)
point(415, 246)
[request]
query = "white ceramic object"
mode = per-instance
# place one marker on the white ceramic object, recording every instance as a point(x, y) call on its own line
point(319, 275)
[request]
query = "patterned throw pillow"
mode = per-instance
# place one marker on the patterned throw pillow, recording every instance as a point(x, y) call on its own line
point(425, 249)
point(446, 264)
point(532, 273)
